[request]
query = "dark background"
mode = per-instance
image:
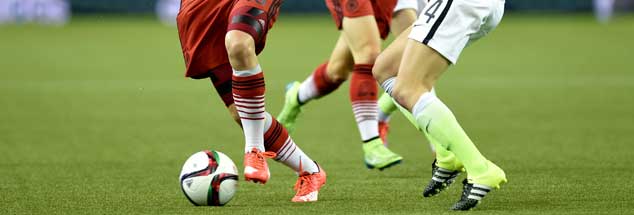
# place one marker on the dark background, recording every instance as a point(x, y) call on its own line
point(312, 6)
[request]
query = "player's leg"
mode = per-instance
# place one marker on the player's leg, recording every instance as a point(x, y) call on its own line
point(277, 139)
point(311, 176)
point(404, 16)
point(363, 38)
point(248, 94)
point(385, 71)
point(421, 67)
point(326, 78)
point(402, 20)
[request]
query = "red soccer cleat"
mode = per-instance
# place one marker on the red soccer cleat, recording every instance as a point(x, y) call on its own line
point(308, 185)
point(255, 167)
point(384, 128)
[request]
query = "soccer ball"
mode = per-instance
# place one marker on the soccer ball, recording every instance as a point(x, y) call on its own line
point(209, 178)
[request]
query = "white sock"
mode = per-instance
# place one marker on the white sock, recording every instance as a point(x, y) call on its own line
point(251, 112)
point(423, 101)
point(291, 155)
point(388, 85)
point(307, 90)
point(365, 112)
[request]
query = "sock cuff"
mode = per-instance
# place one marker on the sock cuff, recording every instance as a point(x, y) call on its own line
point(388, 85)
point(252, 87)
point(320, 76)
point(249, 72)
point(423, 101)
point(323, 84)
point(363, 68)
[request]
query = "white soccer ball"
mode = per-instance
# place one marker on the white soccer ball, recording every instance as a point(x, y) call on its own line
point(209, 178)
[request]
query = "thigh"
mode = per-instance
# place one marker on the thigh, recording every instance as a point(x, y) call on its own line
point(401, 20)
point(348, 8)
point(341, 62)
point(388, 63)
point(420, 68)
point(363, 38)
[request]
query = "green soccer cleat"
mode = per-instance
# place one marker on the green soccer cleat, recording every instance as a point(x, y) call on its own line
point(474, 189)
point(494, 177)
point(291, 108)
point(378, 156)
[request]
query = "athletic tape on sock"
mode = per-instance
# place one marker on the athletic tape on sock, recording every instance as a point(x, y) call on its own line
point(388, 85)
point(249, 72)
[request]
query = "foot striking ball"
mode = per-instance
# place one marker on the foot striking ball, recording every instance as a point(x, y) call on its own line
point(209, 178)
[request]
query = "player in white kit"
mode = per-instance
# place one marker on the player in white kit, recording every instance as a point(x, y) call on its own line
point(442, 31)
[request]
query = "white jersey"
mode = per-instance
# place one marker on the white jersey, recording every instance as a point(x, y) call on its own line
point(410, 4)
point(448, 26)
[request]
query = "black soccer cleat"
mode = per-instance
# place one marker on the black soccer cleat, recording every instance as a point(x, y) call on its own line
point(472, 194)
point(440, 180)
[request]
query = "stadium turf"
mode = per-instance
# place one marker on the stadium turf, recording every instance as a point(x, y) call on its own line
point(97, 118)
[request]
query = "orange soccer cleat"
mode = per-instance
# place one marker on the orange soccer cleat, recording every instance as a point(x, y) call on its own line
point(308, 185)
point(255, 167)
point(384, 128)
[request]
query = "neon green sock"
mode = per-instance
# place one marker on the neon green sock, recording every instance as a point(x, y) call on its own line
point(407, 115)
point(435, 119)
point(444, 158)
point(386, 104)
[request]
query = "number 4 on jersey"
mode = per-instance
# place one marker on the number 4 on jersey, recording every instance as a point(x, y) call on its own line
point(435, 6)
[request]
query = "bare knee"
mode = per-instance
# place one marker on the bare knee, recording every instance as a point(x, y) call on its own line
point(367, 54)
point(339, 70)
point(384, 68)
point(240, 45)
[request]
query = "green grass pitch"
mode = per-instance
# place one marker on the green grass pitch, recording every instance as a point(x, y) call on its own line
point(97, 118)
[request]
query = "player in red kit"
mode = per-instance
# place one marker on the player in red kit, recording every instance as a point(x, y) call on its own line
point(220, 40)
point(363, 23)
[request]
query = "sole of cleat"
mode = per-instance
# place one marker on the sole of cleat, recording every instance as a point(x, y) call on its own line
point(391, 165)
point(369, 166)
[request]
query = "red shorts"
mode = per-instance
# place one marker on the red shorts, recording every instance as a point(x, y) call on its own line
point(202, 25)
point(381, 9)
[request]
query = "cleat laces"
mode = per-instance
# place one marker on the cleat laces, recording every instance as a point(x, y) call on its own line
point(304, 185)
